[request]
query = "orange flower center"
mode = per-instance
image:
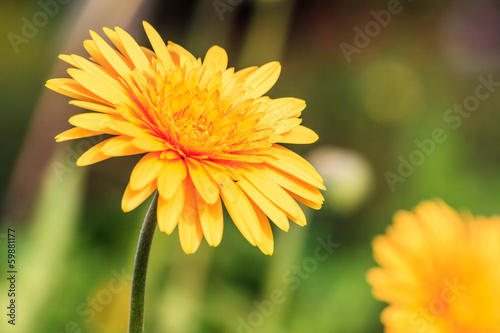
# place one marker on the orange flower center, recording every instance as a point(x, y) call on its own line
point(191, 116)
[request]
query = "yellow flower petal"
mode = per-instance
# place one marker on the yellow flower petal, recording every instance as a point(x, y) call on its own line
point(243, 74)
point(158, 46)
point(225, 183)
point(169, 211)
point(179, 54)
point(285, 125)
point(131, 199)
point(97, 85)
point(171, 177)
point(149, 144)
point(211, 220)
point(111, 56)
point(97, 70)
point(145, 171)
point(76, 133)
point(298, 135)
point(266, 244)
point(93, 155)
point(203, 183)
point(71, 88)
point(295, 165)
point(134, 51)
point(270, 209)
point(283, 108)
point(93, 106)
point(120, 146)
point(261, 80)
point(190, 232)
point(295, 185)
point(217, 56)
point(97, 56)
point(309, 203)
point(126, 128)
point(273, 192)
point(93, 121)
point(243, 214)
point(69, 59)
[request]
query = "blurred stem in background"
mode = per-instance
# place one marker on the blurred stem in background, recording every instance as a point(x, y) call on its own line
point(266, 41)
point(268, 32)
point(288, 252)
point(49, 116)
point(45, 250)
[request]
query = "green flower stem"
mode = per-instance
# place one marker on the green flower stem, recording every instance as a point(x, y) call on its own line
point(136, 323)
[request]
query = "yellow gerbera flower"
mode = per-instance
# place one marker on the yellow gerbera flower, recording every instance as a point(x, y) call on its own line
point(440, 272)
point(207, 131)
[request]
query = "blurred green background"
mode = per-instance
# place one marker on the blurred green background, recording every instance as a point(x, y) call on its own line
point(379, 78)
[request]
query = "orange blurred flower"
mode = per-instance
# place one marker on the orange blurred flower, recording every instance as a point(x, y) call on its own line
point(439, 272)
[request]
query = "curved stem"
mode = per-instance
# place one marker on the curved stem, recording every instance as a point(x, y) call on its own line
point(136, 323)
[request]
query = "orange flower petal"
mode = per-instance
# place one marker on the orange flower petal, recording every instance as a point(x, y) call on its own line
point(243, 214)
point(171, 177)
point(217, 56)
point(169, 211)
point(270, 209)
point(261, 80)
point(145, 171)
point(76, 133)
point(190, 231)
point(131, 199)
point(204, 185)
point(211, 220)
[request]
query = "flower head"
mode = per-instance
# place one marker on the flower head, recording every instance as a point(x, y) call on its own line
point(439, 272)
point(208, 134)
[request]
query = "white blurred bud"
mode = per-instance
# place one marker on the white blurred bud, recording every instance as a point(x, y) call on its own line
point(348, 177)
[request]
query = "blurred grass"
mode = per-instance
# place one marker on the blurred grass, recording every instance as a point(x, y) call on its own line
point(396, 90)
